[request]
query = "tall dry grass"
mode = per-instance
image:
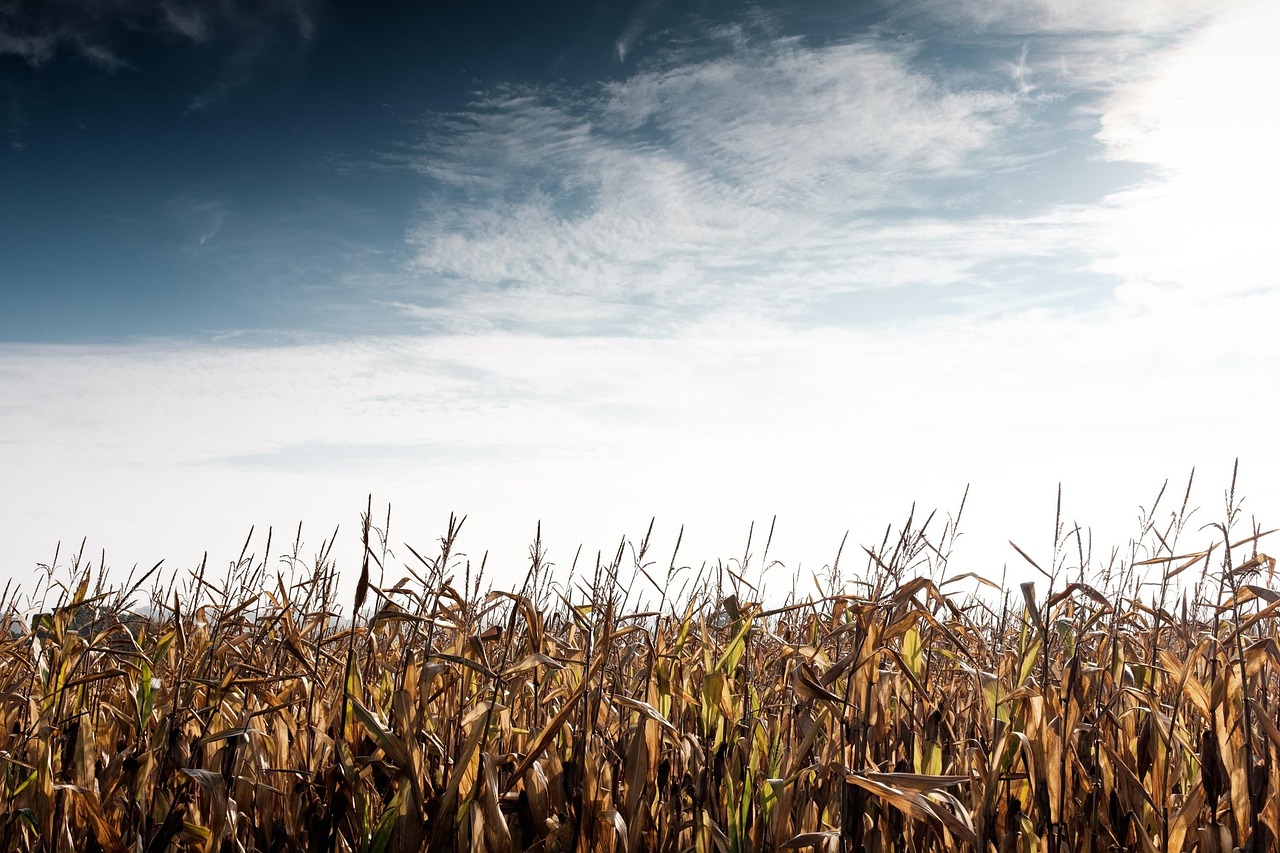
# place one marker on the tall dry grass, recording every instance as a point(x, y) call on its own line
point(1088, 711)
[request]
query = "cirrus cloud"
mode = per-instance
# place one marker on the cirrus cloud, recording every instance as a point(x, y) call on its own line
point(755, 178)
point(238, 32)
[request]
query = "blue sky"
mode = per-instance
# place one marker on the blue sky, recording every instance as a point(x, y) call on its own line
point(593, 263)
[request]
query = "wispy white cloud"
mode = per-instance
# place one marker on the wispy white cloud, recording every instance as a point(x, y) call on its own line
point(189, 21)
point(1079, 16)
point(16, 122)
point(199, 218)
point(39, 47)
point(849, 126)
point(239, 34)
point(759, 178)
point(210, 217)
point(640, 18)
point(35, 48)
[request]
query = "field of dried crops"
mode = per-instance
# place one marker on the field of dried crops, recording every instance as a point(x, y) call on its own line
point(912, 711)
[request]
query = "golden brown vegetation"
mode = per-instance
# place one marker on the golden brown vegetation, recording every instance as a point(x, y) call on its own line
point(246, 713)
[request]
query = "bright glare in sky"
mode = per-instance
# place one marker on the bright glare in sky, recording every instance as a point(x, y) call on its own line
point(1203, 110)
point(1202, 119)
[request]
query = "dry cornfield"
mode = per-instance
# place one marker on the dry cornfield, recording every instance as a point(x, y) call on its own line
point(1123, 708)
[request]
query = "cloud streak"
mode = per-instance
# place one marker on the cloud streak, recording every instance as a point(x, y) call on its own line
point(1029, 17)
point(636, 26)
point(239, 32)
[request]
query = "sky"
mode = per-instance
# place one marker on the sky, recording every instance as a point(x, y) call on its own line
point(588, 265)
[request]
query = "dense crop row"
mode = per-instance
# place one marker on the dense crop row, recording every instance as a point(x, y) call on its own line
point(1086, 712)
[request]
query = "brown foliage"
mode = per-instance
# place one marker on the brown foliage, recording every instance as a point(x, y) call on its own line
point(907, 717)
